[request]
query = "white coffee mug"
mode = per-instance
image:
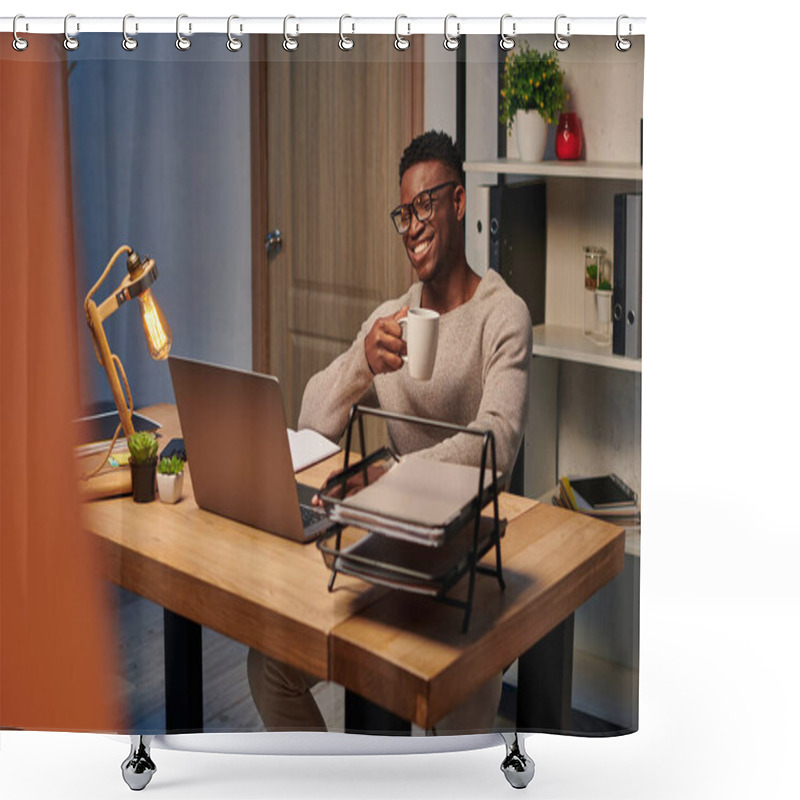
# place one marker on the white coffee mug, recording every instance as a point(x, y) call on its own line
point(421, 329)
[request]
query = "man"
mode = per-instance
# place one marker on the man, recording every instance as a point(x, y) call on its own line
point(480, 380)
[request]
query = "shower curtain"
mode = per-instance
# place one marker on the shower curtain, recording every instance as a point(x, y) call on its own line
point(196, 156)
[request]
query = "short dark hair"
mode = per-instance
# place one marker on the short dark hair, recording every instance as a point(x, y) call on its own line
point(432, 146)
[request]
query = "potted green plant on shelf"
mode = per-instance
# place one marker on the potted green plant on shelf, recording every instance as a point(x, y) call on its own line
point(170, 479)
point(531, 97)
point(598, 291)
point(602, 297)
point(143, 448)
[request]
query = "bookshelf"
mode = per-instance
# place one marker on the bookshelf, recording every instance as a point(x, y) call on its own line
point(585, 401)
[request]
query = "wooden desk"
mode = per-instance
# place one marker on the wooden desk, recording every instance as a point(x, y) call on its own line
point(403, 652)
point(409, 654)
point(262, 590)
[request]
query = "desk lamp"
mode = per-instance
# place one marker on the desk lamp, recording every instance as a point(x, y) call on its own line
point(137, 283)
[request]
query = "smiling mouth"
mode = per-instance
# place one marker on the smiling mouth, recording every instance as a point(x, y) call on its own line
point(421, 247)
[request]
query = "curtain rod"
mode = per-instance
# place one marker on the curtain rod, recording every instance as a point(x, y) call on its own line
point(453, 25)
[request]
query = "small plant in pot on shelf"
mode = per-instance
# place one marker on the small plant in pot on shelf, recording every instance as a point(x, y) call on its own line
point(170, 479)
point(531, 97)
point(143, 448)
point(602, 297)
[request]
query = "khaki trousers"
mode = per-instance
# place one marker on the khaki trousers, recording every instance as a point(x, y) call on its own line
point(283, 697)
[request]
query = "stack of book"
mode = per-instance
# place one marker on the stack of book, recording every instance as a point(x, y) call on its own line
point(607, 497)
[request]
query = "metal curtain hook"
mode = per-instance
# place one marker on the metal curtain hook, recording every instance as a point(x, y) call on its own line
point(233, 44)
point(561, 43)
point(345, 43)
point(70, 42)
point(451, 42)
point(621, 44)
point(18, 44)
point(182, 43)
point(128, 42)
point(400, 42)
point(506, 42)
point(289, 42)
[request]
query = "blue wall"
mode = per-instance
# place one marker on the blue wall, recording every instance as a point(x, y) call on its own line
point(160, 143)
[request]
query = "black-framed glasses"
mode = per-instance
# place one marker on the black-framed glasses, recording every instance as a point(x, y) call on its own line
point(421, 206)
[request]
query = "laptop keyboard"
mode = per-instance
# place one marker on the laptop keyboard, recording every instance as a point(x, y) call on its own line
point(311, 515)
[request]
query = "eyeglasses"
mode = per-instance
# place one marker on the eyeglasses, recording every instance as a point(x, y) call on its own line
point(421, 205)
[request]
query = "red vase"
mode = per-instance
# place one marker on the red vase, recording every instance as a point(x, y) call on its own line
point(569, 137)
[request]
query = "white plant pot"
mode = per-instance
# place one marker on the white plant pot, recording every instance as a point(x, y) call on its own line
point(530, 132)
point(603, 299)
point(170, 487)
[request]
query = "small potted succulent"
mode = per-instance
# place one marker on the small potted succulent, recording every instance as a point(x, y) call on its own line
point(143, 448)
point(170, 479)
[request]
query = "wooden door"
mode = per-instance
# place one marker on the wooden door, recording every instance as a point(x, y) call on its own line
point(332, 126)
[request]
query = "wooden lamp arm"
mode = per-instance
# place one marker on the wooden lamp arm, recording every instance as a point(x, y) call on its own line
point(94, 317)
point(109, 362)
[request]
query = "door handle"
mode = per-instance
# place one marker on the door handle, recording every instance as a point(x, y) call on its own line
point(273, 243)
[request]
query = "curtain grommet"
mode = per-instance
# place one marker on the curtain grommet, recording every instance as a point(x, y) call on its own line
point(181, 42)
point(507, 42)
point(19, 44)
point(129, 43)
point(451, 42)
point(289, 42)
point(70, 42)
point(401, 42)
point(345, 43)
point(560, 42)
point(623, 45)
point(233, 44)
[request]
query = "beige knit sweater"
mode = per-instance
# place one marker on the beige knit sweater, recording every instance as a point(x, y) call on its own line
point(480, 380)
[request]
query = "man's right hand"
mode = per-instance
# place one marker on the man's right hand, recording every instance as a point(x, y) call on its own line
point(384, 344)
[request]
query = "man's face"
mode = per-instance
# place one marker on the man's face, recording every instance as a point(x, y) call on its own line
point(432, 245)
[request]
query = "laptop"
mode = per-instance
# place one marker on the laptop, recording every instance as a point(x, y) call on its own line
point(234, 429)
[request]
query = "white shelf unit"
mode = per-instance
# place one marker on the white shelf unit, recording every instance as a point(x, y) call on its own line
point(603, 170)
point(585, 402)
point(569, 344)
point(564, 341)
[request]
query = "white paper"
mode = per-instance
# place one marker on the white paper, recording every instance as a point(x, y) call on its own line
point(308, 447)
point(419, 491)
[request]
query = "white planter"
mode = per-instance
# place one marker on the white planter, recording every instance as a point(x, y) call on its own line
point(170, 487)
point(530, 132)
point(603, 299)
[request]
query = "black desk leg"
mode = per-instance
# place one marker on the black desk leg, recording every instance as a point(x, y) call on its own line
point(183, 674)
point(363, 716)
point(544, 682)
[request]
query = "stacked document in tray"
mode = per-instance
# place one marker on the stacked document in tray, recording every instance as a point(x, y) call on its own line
point(417, 499)
point(406, 565)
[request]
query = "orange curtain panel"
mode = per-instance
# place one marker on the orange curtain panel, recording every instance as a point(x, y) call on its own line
point(56, 663)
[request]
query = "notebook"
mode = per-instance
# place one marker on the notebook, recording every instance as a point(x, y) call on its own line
point(604, 491)
point(234, 428)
